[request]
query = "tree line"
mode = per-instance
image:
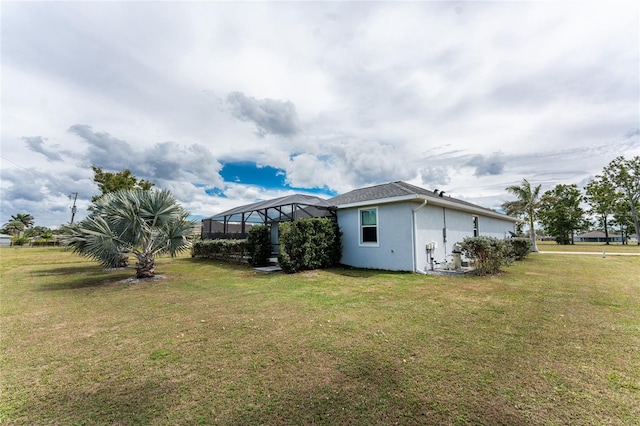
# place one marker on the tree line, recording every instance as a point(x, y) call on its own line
point(610, 200)
point(22, 226)
point(129, 217)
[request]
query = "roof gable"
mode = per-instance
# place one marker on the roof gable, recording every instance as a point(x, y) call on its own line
point(377, 192)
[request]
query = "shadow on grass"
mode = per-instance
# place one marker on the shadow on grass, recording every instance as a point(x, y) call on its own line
point(109, 404)
point(348, 271)
point(75, 277)
point(370, 389)
point(213, 262)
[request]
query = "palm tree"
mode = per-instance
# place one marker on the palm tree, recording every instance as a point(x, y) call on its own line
point(26, 219)
point(527, 203)
point(14, 227)
point(146, 223)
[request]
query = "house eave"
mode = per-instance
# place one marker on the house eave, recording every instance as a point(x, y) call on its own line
point(388, 200)
point(434, 201)
point(443, 202)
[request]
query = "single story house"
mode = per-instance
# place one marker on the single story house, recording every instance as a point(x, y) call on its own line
point(399, 226)
point(394, 226)
point(597, 237)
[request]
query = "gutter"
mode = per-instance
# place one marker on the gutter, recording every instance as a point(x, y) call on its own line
point(380, 201)
point(436, 201)
point(414, 233)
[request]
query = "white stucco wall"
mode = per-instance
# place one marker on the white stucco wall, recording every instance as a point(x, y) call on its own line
point(492, 227)
point(393, 251)
point(430, 221)
point(429, 224)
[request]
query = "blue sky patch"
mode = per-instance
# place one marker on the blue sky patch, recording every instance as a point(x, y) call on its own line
point(216, 192)
point(249, 173)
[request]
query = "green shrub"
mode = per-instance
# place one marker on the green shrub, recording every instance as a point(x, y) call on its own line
point(235, 250)
point(519, 247)
point(309, 244)
point(18, 240)
point(489, 254)
point(45, 242)
point(259, 245)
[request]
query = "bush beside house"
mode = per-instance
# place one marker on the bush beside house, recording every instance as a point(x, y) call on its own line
point(259, 245)
point(309, 244)
point(489, 254)
point(520, 247)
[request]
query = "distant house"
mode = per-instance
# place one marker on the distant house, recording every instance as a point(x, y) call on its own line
point(5, 240)
point(597, 237)
point(395, 226)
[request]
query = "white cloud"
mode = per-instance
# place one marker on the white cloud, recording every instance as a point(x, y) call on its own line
point(336, 94)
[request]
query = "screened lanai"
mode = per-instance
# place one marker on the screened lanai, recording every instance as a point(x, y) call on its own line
point(236, 222)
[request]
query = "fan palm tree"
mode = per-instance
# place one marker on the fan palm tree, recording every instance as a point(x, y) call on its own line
point(146, 223)
point(526, 205)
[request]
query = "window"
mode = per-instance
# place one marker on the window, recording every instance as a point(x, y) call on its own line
point(476, 232)
point(369, 226)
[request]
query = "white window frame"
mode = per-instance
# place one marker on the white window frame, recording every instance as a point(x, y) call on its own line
point(361, 241)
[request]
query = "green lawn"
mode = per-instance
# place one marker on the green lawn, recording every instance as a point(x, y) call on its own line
point(552, 340)
point(590, 247)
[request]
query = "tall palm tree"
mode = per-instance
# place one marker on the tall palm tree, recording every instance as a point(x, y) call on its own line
point(26, 219)
point(527, 203)
point(146, 223)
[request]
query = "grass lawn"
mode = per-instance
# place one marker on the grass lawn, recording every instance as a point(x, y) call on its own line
point(554, 340)
point(589, 247)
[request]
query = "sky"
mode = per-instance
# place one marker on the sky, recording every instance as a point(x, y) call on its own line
point(227, 103)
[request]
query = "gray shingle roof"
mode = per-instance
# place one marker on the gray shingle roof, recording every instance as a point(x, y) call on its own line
point(316, 206)
point(396, 189)
point(596, 234)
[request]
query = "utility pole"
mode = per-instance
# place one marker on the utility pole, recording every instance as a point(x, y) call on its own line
point(73, 209)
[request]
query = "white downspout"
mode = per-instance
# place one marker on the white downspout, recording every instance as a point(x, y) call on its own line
point(414, 249)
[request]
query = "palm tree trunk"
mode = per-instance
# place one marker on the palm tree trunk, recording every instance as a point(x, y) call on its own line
point(146, 267)
point(124, 261)
point(532, 235)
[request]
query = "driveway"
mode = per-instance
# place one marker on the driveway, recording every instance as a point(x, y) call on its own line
point(595, 253)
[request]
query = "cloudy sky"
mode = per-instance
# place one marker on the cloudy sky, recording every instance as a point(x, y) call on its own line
point(226, 103)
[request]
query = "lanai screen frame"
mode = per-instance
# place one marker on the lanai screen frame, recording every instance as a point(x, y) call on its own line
point(283, 209)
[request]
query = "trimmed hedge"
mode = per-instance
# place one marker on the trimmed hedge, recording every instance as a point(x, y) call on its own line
point(309, 244)
point(235, 250)
point(259, 245)
point(489, 254)
point(44, 243)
